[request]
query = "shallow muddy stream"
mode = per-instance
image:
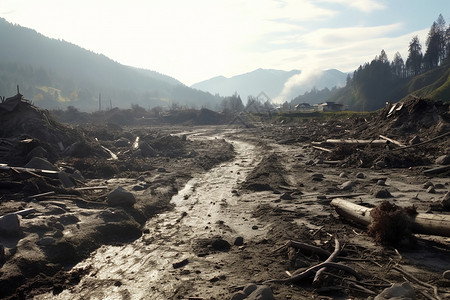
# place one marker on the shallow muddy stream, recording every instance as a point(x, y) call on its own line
point(163, 261)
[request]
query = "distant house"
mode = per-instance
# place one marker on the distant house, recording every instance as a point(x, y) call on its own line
point(304, 107)
point(329, 106)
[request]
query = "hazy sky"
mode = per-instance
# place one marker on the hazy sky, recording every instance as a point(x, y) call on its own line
point(194, 40)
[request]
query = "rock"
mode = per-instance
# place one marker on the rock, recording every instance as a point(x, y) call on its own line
point(121, 197)
point(41, 164)
point(446, 274)
point(250, 288)
point(397, 291)
point(348, 185)
point(415, 140)
point(220, 244)
point(381, 182)
point(239, 241)
point(383, 194)
point(360, 175)
point(239, 296)
point(431, 190)
point(446, 201)
point(77, 175)
point(343, 175)
point(427, 184)
point(317, 177)
point(38, 151)
point(10, 225)
point(443, 160)
point(147, 150)
point(309, 162)
point(65, 180)
point(263, 292)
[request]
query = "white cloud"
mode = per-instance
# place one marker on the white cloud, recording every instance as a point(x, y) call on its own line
point(362, 5)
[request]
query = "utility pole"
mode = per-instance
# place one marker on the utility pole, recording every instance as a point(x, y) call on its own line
point(99, 102)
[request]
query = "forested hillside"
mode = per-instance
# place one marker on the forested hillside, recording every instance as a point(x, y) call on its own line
point(373, 84)
point(56, 74)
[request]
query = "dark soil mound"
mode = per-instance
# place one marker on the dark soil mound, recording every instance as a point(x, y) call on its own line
point(267, 176)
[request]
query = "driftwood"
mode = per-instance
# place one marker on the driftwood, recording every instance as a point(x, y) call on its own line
point(437, 170)
point(308, 272)
point(50, 173)
point(431, 224)
point(356, 142)
point(322, 149)
point(299, 275)
point(423, 143)
point(332, 257)
point(392, 141)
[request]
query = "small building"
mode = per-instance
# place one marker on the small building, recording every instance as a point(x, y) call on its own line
point(304, 107)
point(329, 106)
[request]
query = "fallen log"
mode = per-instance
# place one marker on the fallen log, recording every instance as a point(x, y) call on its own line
point(356, 142)
point(437, 170)
point(322, 149)
point(392, 141)
point(423, 143)
point(430, 224)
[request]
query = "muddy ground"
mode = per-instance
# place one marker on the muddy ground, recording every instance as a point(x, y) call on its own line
point(214, 207)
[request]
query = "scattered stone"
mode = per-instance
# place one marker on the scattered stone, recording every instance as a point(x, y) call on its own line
point(348, 185)
point(383, 194)
point(317, 177)
point(41, 164)
point(38, 151)
point(121, 197)
point(263, 292)
point(239, 296)
point(220, 244)
point(446, 274)
point(443, 160)
point(180, 264)
point(255, 227)
point(397, 291)
point(343, 175)
point(65, 180)
point(427, 184)
point(381, 182)
point(239, 241)
point(431, 190)
point(10, 225)
point(439, 186)
point(147, 150)
point(360, 175)
point(250, 288)
point(446, 201)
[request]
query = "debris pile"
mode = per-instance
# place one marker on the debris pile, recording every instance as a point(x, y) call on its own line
point(411, 133)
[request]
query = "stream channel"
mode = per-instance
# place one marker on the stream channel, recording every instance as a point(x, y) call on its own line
point(207, 206)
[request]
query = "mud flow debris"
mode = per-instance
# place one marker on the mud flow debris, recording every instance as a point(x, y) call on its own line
point(195, 206)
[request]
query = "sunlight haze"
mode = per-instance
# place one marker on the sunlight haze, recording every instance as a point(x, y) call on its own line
point(199, 39)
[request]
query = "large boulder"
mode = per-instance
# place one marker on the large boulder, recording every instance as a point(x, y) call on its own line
point(10, 225)
point(121, 197)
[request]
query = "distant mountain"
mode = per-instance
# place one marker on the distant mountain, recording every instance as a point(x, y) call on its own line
point(283, 85)
point(57, 74)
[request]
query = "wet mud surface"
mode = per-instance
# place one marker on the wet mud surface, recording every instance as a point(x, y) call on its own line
point(215, 207)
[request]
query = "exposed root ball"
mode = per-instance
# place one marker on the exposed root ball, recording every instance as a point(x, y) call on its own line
point(391, 224)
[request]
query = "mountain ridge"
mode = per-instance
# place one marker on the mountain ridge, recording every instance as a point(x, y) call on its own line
point(271, 81)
